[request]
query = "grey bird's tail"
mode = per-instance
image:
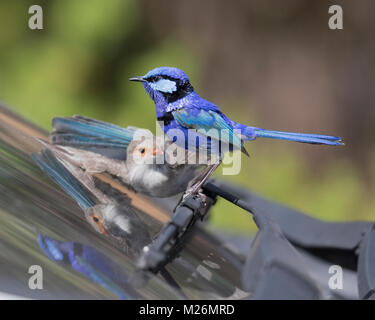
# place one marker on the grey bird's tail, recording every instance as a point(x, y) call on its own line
point(55, 169)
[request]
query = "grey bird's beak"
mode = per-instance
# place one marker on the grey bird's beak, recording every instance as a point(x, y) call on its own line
point(138, 79)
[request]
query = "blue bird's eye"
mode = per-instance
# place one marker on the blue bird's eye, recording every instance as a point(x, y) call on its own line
point(164, 85)
point(154, 78)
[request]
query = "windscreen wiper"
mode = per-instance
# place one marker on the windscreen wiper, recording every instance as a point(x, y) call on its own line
point(175, 233)
point(173, 236)
point(271, 264)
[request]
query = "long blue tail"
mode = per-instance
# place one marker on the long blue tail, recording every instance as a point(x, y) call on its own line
point(300, 137)
point(251, 133)
point(48, 162)
point(90, 134)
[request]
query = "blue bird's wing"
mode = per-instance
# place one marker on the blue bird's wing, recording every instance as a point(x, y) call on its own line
point(204, 120)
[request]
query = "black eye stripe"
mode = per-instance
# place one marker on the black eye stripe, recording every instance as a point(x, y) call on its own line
point(159, 77)
point(183, 87)
point(154, 78)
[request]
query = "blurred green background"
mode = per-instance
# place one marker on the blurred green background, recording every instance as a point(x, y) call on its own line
point(270, 64)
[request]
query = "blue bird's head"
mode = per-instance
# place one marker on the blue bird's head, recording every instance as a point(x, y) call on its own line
point(165, 85)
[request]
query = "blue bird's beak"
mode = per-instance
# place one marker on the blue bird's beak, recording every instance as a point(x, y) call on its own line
point(139, 79)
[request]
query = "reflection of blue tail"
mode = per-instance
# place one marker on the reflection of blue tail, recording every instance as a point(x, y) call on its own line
point(48, 162)
point(86, 133)
point(90, 262)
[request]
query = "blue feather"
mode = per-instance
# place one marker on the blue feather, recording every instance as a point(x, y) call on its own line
point(47, 161)
point(202, 119)
point(85, 132)
point(76, 140)
point(299, 137)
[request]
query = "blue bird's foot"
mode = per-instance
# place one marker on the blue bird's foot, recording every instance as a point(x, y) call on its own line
point(191, 193)
point(197, 183)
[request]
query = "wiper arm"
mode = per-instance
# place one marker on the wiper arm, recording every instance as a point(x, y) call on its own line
point(174, 234)
point(270, 252)
point(172, 238)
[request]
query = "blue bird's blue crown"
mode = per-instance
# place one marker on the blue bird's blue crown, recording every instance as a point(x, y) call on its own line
point(167, 72)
